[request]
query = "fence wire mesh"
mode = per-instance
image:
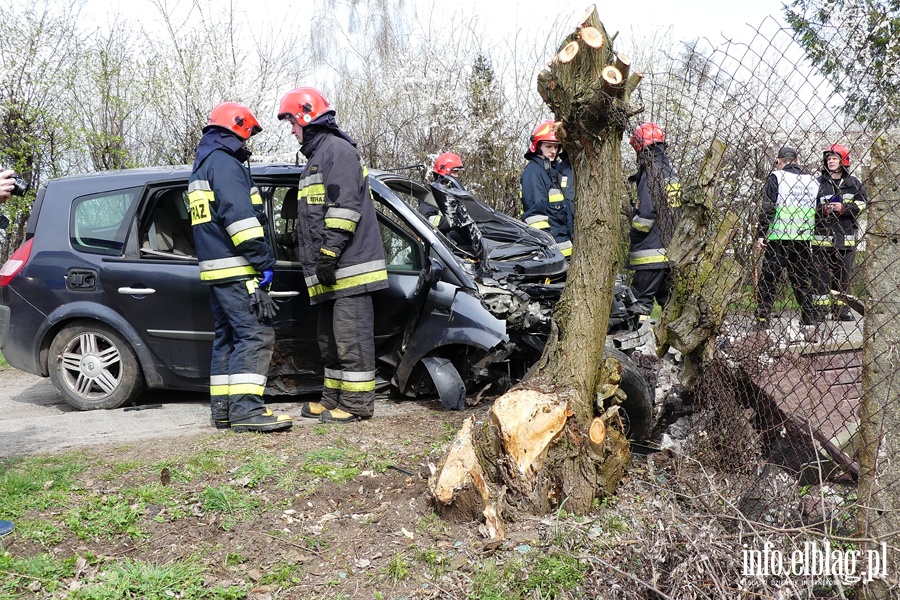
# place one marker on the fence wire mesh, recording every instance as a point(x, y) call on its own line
point(786, 441)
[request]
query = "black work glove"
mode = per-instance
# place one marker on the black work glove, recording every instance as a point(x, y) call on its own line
point(325, 270)
point(261, 304)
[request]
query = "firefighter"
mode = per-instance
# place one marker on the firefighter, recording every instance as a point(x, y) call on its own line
point(446, 171)
point(784, 234)
point(840, 202)
point(236, 262)
point(653, 219)
point(548, 188)
point(341, 255)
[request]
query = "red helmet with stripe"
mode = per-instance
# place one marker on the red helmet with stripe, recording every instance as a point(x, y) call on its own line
point(305, 104)
point(446, 162)
point(544, 132)
point(841, 151)
point(646, 135)
point(234, 117)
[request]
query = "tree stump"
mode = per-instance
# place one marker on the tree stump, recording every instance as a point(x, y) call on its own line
point(541, 447)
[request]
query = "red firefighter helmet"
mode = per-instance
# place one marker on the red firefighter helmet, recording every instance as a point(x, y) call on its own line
point(446, 162)
point(646, 135)
point(234, 117)
point(305, 104)
point(544, 132)
point(840, 151)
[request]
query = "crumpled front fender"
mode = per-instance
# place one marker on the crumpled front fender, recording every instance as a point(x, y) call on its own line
point(452, 318)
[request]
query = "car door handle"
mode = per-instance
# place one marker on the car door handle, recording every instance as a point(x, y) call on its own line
point(283, 294)
point(136, 291)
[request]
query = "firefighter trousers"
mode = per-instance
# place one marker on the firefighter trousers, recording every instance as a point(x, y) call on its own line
point(649, 285)
point(346, 334)
point(834, 267)
point(241, 354)
point(793, 256)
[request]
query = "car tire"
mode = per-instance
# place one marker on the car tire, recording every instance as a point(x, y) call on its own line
point(93, 367)
point(638, 406)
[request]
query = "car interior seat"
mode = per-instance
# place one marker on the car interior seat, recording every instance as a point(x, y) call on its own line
point(170, 227)
point(287, 239)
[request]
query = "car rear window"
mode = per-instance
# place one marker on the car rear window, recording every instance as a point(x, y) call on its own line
point(99, 223)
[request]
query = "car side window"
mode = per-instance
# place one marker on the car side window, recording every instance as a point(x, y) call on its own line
point(401, 248)
point(284, 205)
point(167, 231)
point(99, 223)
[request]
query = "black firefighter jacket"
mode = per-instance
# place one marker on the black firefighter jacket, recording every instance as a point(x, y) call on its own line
point(226, 212)
point(548, 198)
point(656, 212)
point(336, 217)
point(839, 230)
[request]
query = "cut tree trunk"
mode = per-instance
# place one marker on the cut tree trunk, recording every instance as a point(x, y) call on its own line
point(541, 448)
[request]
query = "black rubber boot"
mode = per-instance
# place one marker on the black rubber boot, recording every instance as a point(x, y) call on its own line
point(266, 421)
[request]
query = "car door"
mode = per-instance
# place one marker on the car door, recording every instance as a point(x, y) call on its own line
point(297, 359)
point(156, 286)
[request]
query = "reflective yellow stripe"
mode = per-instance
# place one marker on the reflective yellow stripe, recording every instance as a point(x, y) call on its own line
point(540, 224)
point(246, 388)
point(349, 282)
point(327, 252)
point(314, 193)
point(219, 274)
point(566, 251)
point(332, 384)
point(344, 224)
point(641, 224)
point(200, 201)
point(357, 386)
point(255, 197)
point(673, 194)
point(648, 260)
point(218, 390)
point(555, 195)
point(253, 233)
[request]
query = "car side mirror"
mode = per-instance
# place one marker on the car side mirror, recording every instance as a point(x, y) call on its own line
point(429, 275)
point(434, 271)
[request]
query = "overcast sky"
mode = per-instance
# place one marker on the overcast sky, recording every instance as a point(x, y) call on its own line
point(687, 18)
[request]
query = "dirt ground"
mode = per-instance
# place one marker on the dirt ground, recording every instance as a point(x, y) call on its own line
point(339, 511)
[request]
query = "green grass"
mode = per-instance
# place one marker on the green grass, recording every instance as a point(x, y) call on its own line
point(330, 463)
point(234, 503)
point(135, 579)
point(257, 467)
point(105, 516)
point(37, 483)
point(283, 574)
point(20, 573)
point(541, 575)
point(398, 569)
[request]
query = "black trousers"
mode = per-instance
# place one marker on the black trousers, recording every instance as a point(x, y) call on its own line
point(794, 258)
point(649, 285)
point(241, 354)
point(346, 335)
point(834, 266)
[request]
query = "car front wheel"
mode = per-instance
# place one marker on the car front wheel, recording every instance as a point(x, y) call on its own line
point(93, 367)
point(638, 406)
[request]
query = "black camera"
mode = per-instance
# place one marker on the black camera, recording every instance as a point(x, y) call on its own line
point(20, 187)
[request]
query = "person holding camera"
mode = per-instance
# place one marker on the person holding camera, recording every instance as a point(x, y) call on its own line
point(7, 184)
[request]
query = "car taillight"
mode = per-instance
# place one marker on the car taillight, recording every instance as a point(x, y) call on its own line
point(15, 263)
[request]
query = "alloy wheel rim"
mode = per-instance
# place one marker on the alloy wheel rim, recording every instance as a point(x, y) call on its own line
point(91, 366)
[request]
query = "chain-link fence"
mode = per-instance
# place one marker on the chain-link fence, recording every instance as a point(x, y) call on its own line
point(786, 437)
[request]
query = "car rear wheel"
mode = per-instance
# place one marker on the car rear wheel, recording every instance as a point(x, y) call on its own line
point(93, 367)
point(638, 406)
